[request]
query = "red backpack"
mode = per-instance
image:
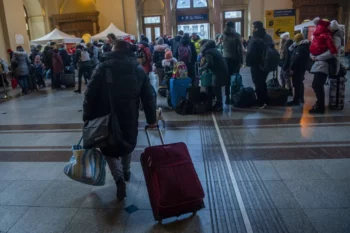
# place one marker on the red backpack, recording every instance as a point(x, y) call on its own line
point(185, 53)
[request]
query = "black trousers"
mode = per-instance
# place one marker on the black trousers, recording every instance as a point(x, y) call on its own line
point(84, 69)
point(233, 68)
point(259, 78)
point(216, 92)
point(191, 72)
point(318, 86)
point(298, 86)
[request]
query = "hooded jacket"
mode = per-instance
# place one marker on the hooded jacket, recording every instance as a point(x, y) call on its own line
point(287, 54)
point(186, 41)
point(300, 56)
point(322, 40)
point(65, 57)
point(23, 63)
point(321, 64)
point(256, 47)
point(130, 84)
point(232, 45)
point(47, 56)
point(175, 42)
point(158, 54)
point(215, 62)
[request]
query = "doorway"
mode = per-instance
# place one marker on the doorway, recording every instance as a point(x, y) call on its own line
point(152, 27)
point(237, 17)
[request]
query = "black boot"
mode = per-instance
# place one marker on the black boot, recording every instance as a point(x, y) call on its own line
point(78, 91)
point(121, 189)
point(127, 176)
point(316, 109)
point(293, 103)
point(217, 107)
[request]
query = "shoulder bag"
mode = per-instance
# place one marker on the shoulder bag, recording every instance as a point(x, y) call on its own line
point(104, 131)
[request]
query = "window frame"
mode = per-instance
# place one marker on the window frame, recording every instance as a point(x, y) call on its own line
point(191, 5)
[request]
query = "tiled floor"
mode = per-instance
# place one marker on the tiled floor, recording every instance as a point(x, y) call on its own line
point(273, 170)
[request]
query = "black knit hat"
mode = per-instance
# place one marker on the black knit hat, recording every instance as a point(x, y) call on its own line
point(230, 24)
point(258, 25)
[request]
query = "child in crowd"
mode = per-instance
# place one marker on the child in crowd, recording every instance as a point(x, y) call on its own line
point(323, 38)
point(168, 62)
point(39, 71)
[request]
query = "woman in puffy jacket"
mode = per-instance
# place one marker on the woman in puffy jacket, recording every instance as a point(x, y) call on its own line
point(21, 64)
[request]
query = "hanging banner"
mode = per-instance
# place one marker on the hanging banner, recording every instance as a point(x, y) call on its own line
point(280, 21)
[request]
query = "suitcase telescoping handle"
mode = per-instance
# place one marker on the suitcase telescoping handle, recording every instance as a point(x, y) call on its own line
point(159, 132)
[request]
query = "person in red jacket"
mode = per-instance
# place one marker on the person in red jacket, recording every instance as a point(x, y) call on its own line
point(58, 69)
point(323, 38)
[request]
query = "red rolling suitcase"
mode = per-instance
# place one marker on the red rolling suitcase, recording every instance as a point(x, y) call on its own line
point(172, 182)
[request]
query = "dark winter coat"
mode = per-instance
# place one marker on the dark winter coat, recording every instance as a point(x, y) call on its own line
point(300, 57)
point(47, 56)
point(130, 84)
point(232, 45)
point(23, 63)
point(256, 47)
point(65, 57)
point(185, 42)
point(175, 42)
point(215, 62)
point(158, 54)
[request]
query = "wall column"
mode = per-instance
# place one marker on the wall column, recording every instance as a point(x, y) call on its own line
point(14, 23)
point(168, 17)
point(217, 20)
point(37, 26)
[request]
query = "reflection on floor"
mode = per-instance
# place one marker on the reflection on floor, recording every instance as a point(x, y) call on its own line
point(273, 170)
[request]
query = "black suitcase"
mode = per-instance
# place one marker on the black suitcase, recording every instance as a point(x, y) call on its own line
point(68, 80)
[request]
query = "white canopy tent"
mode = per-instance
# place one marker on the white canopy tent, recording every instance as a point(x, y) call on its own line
point(110, 29)
point(58, 37)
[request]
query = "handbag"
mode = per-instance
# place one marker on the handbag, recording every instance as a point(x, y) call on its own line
point(207, 79)
point(86, 166)
point(104, 131)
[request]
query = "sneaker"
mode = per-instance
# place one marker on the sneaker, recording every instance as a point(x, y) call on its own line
point(77, 91)
point(127, 176)
point(293, 103)
point(121, 189)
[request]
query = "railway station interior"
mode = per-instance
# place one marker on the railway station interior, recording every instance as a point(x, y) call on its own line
point(274, 170)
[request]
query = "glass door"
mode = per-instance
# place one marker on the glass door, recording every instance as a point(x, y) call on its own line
point(237, 18)
point(152, 27)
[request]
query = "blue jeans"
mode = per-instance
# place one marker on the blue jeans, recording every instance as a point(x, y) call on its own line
point(23, 82)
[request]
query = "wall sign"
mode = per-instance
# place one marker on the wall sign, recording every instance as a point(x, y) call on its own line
point(280, 21)
point(188, 18)
point(19, 39)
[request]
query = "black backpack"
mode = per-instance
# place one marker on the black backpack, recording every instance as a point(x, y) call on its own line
point(270, 58)
point(14, 63)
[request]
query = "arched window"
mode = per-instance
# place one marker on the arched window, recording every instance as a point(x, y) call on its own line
point(183, 4)
point(27, 21)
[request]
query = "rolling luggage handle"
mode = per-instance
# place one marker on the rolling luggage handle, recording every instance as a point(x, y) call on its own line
point(159, 132)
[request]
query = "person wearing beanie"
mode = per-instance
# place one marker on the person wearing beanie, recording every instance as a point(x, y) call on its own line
point(256, 47)
point(233, 55)
point(321, 67)
point(297, 67)
point(158, 56)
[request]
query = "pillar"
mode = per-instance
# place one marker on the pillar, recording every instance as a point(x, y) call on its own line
point(168, 17)
point(37, 26)
point(4, 42)
point(131, 17)
point(217, 19)
point(255, 13)
point(94, 28)
point(111, 12)
point(14, 23)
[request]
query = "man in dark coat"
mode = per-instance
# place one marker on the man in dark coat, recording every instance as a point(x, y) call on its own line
point(175, 42)
point(65, 56)
point(297, 68)
point(217, 65)
point(130, 84)
point(233, 54)
point(186, 41)
point(256, 47)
